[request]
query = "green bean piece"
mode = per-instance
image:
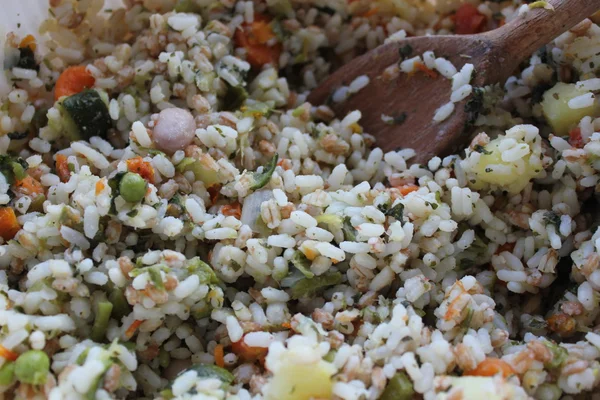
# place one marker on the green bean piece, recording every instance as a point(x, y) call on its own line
point(7, 374)
point(398, 388)
point(120, 305)
point(32, 367)
point(132, 187)
point(101, 321)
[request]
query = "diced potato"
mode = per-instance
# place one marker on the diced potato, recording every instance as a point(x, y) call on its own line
point(293, 381)
point(558, 113)
point(491, 169)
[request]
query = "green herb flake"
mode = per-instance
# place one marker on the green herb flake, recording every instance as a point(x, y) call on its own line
point(405, 51)
point(349, 231)
point(551, 218)
point(260, 179)
point(480, 149)
point(307, 287)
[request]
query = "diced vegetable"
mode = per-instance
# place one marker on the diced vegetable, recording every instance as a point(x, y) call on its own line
point(13, 168)
point(120, 305)
point(133, 328)
point(27, 59)
point(302, 263)
point(349, 231)
point(201, 171)
point(257, 109)
point(234, 98)
point(398, 388)
point(89, 113)
point(203, 270)
point(559, 355)
point(6, 353)
point(296, 381)
point(232, 210)
point(101, 321)
point(73, 80)
point(248, 353)
point(132, 187)
point(260, 179)
point(7, 374)
point(28, 186)
point(556, 109)
point(9, 226)
point(32, 367)
point(490, 367)
point(28, 42)
point(212, 371)
point(333, 221)
point(257, 38)
point(491, 169)
point(406, 189)
point(141, 167)
point(469, 20)
point(307, 287)
point(219, 359)
point(187, 6)
point(62, 168)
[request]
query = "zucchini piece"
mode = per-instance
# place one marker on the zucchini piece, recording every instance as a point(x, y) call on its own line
point(27, 59)
point(89, 113)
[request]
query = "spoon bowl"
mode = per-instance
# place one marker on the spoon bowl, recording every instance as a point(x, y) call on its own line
point(398, 108)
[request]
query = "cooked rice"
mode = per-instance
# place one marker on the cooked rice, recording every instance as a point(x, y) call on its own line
point(270, 249)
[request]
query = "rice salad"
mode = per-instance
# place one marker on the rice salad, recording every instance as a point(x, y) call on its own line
point(177, 222)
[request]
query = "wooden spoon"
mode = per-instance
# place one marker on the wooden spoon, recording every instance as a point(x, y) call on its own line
point(416, 97)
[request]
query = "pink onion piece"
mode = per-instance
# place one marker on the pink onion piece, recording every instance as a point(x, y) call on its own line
point(174, 129)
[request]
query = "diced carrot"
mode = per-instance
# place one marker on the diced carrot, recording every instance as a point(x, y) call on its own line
point(214, 192)
point(406, 189)
point(28, 186)
point(248, 353)
point(219, 356)
point(492, 366)
point(62, 168)
point(8, 354)
point(28, 41)
point(469, 20)
point(139, 166)
point(423, 68)
point(286, 325)
point(257, 38)
point(72, 81)
point(575, 138)
point(100, 185)
point(9, 226)
point(234, 210)
point(132, 328)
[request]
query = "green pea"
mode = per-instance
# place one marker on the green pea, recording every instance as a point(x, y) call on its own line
point(132, 187)
point(32, 367)
point(7, 374)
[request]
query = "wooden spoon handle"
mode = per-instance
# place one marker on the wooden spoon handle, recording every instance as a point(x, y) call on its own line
point(538, 26)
